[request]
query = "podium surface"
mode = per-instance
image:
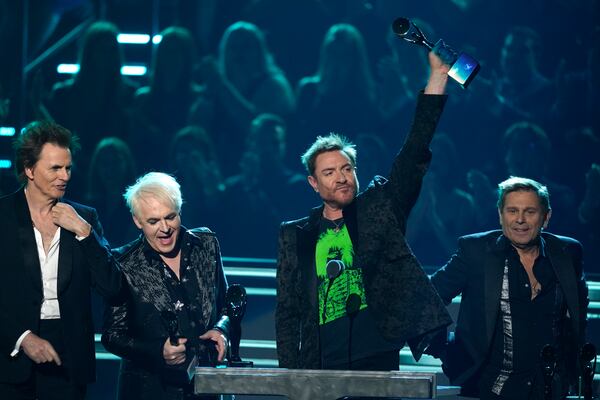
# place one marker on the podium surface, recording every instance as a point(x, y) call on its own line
point(303, 384)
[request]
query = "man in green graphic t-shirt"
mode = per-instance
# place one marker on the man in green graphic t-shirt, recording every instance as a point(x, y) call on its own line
point(350, 293)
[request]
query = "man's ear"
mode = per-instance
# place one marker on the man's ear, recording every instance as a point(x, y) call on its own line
point(28, 172)
point(547, 219)
point(136, 221)
point(313, 182)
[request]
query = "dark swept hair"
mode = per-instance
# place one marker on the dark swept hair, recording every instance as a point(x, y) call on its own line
point(331, 142)
point(28, 145)
point(519, 184)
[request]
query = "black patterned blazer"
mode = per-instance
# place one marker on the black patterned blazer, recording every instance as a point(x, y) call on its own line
point(404, 303)
point(134, 326)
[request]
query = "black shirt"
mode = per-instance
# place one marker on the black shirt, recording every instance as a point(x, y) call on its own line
point(180, 292)
point(524, 328)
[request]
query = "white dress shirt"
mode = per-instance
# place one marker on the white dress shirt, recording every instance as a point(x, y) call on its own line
point(49, 266)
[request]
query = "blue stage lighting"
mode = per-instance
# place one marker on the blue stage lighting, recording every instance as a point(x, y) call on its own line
point(132, 70)
point(7, 131)
point(133, 38)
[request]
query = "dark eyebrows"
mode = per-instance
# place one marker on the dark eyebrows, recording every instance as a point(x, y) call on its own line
point(59, 166)
point(346, 165)
point(514, 208)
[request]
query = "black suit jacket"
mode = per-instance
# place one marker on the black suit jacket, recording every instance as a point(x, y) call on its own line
point(81, 265)
point(475, 272)
point(135, 328)
point(403, 301)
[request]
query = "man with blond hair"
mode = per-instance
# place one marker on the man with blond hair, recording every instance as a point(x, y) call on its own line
point(173, 305)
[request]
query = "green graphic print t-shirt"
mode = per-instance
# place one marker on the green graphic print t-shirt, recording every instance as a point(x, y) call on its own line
point(334, 243)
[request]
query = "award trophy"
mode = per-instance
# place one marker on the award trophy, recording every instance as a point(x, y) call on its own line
point(236, 300)
point(463, 67)
point(179, 374)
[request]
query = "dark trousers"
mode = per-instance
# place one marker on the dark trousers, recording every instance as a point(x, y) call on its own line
point(387, 361)
point(136, 383)
point(533, 392)
point(47, 381)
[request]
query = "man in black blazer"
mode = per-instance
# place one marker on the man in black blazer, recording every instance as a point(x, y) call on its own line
point(172, 309)
point(350, 293)
point(53, 252)
point(522, 289)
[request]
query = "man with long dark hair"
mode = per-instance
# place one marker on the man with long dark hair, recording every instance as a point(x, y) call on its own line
point(53, 252)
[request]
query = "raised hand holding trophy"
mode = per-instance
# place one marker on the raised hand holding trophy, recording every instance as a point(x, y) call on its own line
point(463, 67)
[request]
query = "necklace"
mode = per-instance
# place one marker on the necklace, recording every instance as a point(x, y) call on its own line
point(536, 288)
point(338, 225)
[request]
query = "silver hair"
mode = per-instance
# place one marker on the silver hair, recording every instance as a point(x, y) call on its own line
point(158, 185)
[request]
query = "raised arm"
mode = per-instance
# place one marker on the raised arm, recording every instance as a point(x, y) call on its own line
point(412, 161)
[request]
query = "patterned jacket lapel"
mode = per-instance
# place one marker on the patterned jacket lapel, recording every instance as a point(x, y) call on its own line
point(307, 235)
point(493, 271)
point(144, 277)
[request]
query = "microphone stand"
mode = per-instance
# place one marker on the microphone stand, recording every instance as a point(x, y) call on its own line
point(548, 359)
point(588, 368)
point(353, 303)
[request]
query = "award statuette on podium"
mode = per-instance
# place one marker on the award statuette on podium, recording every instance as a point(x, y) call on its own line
point(236, 300)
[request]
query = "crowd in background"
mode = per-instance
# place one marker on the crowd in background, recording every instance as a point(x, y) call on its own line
point(237, 89)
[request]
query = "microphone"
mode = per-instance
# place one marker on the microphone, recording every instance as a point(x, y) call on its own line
point(586, 356)
point(463, 67)
point(353, 303)
point(548, 359)
point(410, 32)
point(334, 269)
